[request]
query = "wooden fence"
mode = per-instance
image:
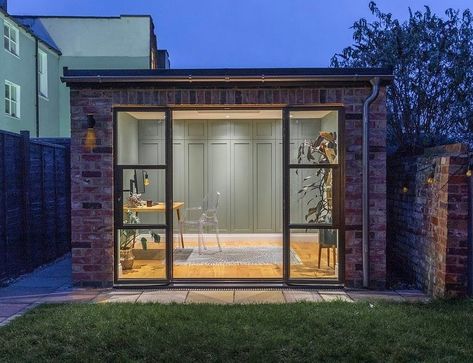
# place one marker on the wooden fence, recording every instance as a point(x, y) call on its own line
point(34, 202)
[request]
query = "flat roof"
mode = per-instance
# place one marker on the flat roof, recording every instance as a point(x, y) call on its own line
point(226, 75)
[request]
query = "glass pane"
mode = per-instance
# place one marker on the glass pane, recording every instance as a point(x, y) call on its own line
point(6, 43)
point(6, 31)
point(13, 35)
point(142, 253)
point(314, 254)
point(13, 109)
point(13, 93)
point(7, 91)
point(141, 138)
point(311, 196)
point(144, 196)
point(315, 136)
point(7, 106)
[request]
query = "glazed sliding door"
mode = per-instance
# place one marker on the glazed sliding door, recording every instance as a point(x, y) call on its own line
point(143, 196)
point(312, 194)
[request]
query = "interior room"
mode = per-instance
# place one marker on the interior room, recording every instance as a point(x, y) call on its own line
point(227, 194)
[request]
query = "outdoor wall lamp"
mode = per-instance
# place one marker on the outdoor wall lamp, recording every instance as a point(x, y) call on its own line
point(90, 137)
point(469, 171)
point(431, 178)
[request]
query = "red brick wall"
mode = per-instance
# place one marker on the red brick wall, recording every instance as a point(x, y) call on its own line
point(428, 225)
point(92, 172)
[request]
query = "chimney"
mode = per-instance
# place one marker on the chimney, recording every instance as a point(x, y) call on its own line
point(3, 5)
point(163, 59)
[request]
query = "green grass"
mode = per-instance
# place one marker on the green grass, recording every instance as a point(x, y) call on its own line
point(439, 331)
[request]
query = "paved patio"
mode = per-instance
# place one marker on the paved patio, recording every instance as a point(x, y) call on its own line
point(52, 284)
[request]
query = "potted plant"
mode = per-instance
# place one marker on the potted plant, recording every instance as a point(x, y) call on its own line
point(128, 236)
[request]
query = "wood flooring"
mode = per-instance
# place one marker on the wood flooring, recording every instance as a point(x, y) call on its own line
point(308, 269)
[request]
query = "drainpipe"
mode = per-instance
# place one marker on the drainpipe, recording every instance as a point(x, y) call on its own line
point(366, 161)
point(37, 86)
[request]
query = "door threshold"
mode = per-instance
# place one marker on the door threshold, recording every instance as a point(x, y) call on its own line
point(231, 286)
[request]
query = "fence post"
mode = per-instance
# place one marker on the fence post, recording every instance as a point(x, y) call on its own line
point(470, 238)
point(25, 157)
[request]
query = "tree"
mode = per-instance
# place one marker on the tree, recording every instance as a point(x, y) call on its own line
point(431, 99)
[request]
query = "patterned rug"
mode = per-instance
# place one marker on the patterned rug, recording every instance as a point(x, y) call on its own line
point(233, 256)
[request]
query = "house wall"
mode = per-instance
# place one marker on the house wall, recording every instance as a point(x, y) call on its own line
point(85, 43)
point(92, 171)
point(21, 70)
point(98, 43)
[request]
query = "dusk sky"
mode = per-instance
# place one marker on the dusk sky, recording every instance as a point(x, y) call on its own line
point(242, 33)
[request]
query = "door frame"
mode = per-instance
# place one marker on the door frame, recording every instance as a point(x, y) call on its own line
point(287, 226)
point(339, 196)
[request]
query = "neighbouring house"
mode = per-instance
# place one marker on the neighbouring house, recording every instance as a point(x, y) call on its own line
point(37, 48)
point(271, 177)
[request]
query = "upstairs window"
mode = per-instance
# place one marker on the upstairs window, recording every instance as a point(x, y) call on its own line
point(43, 73)
point(12, 99)
point(10, 38)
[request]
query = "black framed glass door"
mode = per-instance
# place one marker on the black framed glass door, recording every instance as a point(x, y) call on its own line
point(313, 228)
point(143, 195)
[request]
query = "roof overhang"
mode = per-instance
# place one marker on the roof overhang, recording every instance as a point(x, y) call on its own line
point(229, 75)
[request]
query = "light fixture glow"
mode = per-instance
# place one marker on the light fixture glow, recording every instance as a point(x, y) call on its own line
point(146, 179)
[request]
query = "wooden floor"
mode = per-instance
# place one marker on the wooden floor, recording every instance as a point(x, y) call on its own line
point(308, 269)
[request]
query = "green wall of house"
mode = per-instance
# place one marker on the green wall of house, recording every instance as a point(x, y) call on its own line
point(85, 43)
point(21, 70)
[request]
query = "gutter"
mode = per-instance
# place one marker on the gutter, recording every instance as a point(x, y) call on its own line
point(37, 85)
point(375, 83)
point(219, 79)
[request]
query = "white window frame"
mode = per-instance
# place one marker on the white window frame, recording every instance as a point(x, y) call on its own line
point(8, 40)
point(43, 73)
point(10, 101)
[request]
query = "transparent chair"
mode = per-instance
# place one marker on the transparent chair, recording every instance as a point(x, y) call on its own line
point(202, 217)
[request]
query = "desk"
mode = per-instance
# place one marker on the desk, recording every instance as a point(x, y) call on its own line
point(160, 208)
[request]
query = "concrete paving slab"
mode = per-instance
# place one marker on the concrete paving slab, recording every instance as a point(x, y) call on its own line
point(210, 297)
point(375, 295)
point(293, 296)
point(121, 298)
point(38, 281)
point(335, 297)
point(259, 297)
point(7, 309)
point(68, 297)
point(163, 296)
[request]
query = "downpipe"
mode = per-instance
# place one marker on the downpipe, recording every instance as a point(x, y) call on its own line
point(365, 195)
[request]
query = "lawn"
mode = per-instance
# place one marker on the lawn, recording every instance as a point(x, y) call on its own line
point(338, 331)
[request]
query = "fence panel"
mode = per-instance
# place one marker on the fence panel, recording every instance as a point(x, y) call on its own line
point(34, 202)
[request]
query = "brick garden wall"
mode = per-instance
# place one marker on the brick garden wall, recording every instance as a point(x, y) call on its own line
point(92, 171)
point(428, 225)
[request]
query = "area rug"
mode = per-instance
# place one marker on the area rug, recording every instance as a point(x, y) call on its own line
point(233, 256)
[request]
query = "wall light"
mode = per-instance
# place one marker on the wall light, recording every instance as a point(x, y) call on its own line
point(431, 178)
point(90, 137)
point(469, 172)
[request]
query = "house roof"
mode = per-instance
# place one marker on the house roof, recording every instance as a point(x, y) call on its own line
point(228, 75)
point(34, 28)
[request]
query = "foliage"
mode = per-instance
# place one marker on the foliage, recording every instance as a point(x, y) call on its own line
point(431, 99)
point(128, 236)
point(304, 332)
point(320, 151)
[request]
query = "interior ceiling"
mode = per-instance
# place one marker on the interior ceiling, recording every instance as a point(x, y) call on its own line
point(229, 114)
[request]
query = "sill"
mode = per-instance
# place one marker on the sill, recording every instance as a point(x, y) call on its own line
point(44, 97)
point(13, 117)
point(11, 53)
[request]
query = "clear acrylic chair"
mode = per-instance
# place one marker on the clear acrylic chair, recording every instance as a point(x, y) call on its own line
point(202, 217)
